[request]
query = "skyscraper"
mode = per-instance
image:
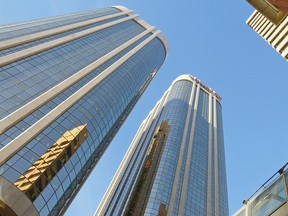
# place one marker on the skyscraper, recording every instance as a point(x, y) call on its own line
point(270, 23)
point(67, 83)
point(175, 164)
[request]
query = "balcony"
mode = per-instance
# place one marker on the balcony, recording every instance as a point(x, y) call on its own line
point(272, 201)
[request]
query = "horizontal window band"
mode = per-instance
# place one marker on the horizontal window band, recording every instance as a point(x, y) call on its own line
point(51, 44)
point(44, 98)
point(19, 142)
point(47, 33)
point(53, 19)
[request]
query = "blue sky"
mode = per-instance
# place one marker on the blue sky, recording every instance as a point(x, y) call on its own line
point(210, 40)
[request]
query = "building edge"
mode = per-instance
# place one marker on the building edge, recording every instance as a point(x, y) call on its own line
point(145, 25)
point(191, 78)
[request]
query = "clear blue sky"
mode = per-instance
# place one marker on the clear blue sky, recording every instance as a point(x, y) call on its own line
point(210, 40)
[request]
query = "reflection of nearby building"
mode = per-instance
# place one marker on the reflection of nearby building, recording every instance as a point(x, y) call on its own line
point(62, 78)
point(175, 165)
point(271, 23)
point(272, 201)
point(146, 177)
point(37, 177)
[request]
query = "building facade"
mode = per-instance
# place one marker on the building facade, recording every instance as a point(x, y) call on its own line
point(67, 84)
point(271, 24)
point(272, 200)
point(175, 164)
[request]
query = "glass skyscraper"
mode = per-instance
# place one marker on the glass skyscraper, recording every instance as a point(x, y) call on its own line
point(67, 83)
point(175, 164)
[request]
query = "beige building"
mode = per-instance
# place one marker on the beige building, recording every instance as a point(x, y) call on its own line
point(271, 24)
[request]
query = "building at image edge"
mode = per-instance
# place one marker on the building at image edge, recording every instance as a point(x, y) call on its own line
point(67, 84)
point(271, 24)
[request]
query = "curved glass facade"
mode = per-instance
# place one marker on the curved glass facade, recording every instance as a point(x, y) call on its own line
point(176, 163)
point(57, 142)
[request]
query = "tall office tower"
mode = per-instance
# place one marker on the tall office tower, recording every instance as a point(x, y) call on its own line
point(175, 164)
point(271, 24)
point(67, 83)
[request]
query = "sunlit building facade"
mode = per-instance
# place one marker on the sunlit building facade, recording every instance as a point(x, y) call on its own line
point(175, 164)
point(271, 23)
point(67, 83)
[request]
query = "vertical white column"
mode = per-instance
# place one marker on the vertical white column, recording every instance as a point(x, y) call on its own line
point(215, 156)
point(189, 155)
point(181, 153)
point(209, 168)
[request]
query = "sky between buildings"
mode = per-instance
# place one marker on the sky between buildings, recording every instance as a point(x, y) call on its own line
point(210, 40)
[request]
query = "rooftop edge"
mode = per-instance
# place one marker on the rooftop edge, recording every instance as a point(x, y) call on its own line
point(145, 25)
point(189, 77)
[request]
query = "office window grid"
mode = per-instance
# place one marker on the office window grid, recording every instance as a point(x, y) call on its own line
point(199, 196)
point(195, 202)
point(133, 169)
point(181, 176)
point(121, 193)
point(21, 29)
point(38, 114)
point(136, 98)
point(54, 37)
point(162, 186)
point(184, 160)
point(48, 68)
point(98, 125)
point(222, 187)
point(104, 111)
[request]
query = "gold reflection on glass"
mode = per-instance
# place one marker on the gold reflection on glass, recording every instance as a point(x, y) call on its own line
point(143, 186)
point(38, 176)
